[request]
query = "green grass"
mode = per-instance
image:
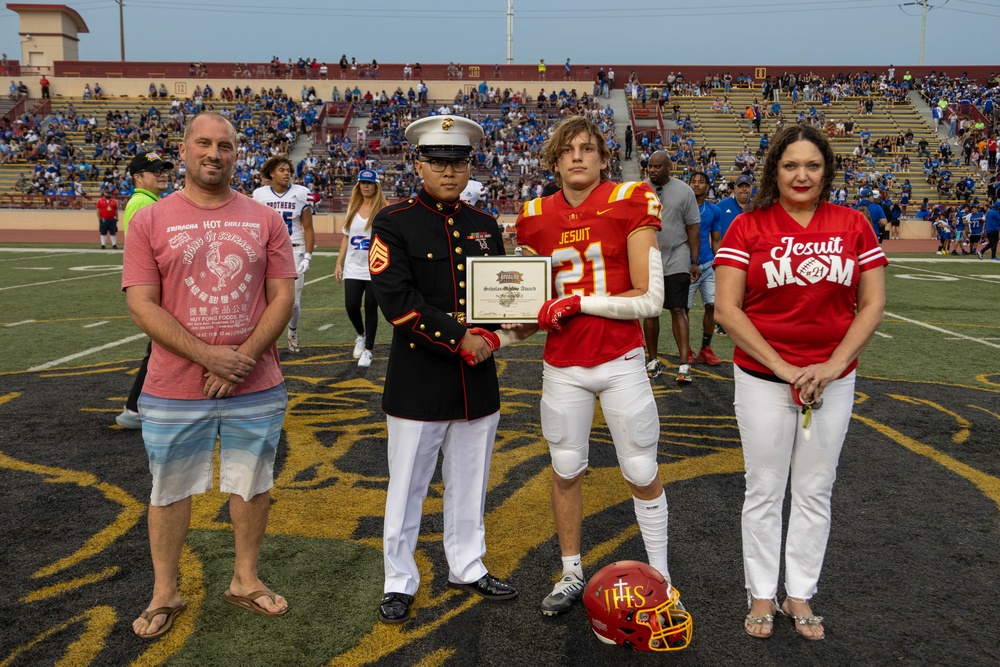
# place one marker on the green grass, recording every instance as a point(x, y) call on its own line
point(958, 297)
point(321, 578)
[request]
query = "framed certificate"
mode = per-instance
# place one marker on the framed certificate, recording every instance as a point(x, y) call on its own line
point(507, 289)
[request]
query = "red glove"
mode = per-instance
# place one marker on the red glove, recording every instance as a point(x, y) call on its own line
point(468, 356)
point(492, 339)
point(554, 310)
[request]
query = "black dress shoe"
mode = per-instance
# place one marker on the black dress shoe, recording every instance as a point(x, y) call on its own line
point(395, 608)
point(489, 587)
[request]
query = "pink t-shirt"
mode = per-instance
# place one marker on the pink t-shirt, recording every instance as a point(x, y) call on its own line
point(211, 265)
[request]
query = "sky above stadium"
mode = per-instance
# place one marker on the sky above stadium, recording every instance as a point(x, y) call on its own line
point(723, 32)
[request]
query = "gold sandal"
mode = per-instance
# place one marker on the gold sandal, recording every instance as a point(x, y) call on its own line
point(803, 621)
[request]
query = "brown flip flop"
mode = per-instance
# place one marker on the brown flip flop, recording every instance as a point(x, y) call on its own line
point(248, 602)
point(170, 612)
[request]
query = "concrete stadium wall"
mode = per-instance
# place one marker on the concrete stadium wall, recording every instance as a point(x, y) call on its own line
point(184, 88)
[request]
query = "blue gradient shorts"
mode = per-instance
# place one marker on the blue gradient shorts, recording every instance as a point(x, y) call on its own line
point(180, 439)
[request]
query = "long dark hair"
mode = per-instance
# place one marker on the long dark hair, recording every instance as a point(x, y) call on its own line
point(767, 195)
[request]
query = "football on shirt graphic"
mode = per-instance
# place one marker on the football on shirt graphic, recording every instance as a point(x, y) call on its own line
point(813, 270)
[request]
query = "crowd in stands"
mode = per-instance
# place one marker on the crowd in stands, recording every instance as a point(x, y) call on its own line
point(70, 154)
point(508, 162)
point(64, 155)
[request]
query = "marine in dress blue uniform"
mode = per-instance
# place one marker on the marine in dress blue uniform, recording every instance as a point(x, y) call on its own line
point(441, 391)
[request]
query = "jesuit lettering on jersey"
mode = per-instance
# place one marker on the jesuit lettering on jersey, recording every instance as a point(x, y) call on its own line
point(808, 263)
point(623, 596)
point(574, 235)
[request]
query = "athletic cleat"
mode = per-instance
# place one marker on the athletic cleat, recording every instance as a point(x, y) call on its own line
point(690, 356)
point(980, 254)
point(129, 419)
point(684, 374)
point(653, 368)
point(293, 341)
point(365, 360)
point(707, 356)
point(719, 331)
point(359, 346)
point(114, 247)
point(567, 590)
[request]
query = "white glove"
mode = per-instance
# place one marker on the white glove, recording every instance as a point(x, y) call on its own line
point(303, 266)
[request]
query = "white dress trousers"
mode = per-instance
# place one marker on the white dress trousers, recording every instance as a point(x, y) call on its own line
point(467, 447)
point(773, 445)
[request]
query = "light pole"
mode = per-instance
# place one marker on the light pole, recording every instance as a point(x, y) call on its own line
point(510, 32)
point(121, 25)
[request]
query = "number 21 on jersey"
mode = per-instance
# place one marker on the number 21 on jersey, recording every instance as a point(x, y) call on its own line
point(579, 273)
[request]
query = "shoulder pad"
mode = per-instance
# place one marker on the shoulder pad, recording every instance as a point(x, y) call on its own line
point(623, 191)
point(532, 207)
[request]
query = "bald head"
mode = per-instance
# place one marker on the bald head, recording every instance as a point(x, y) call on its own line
point(659, 168)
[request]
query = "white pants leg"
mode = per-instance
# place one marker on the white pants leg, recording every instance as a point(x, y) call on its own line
point(465, 469)
point(771, 430)
point(300, 282)
point(413, 449)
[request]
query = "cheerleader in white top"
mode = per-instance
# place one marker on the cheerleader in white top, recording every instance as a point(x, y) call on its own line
point(367, 199)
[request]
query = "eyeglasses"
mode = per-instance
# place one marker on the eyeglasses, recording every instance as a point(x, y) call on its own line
point(438, 166)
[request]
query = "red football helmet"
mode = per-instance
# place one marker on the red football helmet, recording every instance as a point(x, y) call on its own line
point(630, 604)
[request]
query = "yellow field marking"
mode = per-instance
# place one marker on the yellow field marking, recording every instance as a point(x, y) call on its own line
point(991, 414)
point(980, 378)
point(65, 586)
point(437, 658)
point(132, 510)
point(192, 589)
point(983, 378)
point(987, 484)
point(93, 371)
point(958, 437)
point(98, 622)
point(6, 398)
point(602, 551)
point(385, 639)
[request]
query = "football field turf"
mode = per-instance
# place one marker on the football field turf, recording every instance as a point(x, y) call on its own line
point(912, 566)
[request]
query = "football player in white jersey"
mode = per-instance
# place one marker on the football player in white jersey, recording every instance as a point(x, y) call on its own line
point(293, 203)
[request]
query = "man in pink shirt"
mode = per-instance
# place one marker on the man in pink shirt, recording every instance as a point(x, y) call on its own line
point(209, 276)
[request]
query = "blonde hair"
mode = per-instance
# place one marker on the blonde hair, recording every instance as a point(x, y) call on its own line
point(357, 199)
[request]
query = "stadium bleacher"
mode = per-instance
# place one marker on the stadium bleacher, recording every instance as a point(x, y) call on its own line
point(702, 117)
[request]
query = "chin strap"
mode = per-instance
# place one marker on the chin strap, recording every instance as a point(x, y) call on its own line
point(645, 305)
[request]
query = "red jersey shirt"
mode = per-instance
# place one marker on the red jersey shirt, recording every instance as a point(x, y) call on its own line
point(107, 208)
point(589, 249)
point(802, 283)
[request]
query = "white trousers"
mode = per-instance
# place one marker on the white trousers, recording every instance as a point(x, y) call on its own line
point(300, 282)
point(467, 447)
point(773, 445)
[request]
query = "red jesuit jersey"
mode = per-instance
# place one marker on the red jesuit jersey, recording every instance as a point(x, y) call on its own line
point(589, 249)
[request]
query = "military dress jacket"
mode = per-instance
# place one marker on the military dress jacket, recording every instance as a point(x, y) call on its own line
point(417, 262)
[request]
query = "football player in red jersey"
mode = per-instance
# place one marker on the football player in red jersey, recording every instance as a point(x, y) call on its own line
point(607, 274)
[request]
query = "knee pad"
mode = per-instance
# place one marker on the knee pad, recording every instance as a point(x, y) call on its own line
point(637, 455)
point(568, 459)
